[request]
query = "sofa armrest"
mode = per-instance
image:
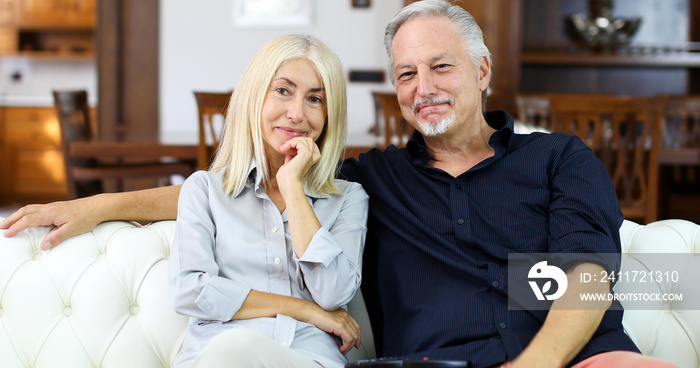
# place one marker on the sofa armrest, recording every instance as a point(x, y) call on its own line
point(672, 331)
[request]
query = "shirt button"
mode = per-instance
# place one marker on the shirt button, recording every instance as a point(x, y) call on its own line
point(495, 283)
point(460, 221)
point(278, 260)
point(502, 325)
point(274, 229)
point(458, 186)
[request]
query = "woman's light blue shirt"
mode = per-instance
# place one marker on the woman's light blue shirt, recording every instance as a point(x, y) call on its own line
point(225, 246)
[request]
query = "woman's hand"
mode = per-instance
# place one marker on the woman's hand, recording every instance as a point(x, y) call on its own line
point(70, 218)
point(339, 323)
point(301, 154)
point(260, 304)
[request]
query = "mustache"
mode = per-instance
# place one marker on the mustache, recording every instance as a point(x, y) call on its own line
point(431, 101)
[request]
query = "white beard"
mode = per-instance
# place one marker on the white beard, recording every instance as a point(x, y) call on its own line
point(435, 129)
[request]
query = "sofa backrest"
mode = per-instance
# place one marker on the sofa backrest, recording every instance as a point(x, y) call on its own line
point(100, 299)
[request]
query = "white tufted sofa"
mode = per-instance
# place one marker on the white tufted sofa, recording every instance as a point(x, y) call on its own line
point(100, 299)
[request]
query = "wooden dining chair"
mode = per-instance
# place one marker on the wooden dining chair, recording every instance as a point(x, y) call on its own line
point(533, 110)
point(624, 133)
point(680, 180)
point(390, 120)
point(681, 125)
point(85, 176)
point(210, 106)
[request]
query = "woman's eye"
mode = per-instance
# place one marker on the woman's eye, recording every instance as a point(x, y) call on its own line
point(315, 99)
point(282, 91)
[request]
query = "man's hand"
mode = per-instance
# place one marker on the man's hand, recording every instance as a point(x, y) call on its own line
point(69, 218)
point(569, 325)
point(84, 214)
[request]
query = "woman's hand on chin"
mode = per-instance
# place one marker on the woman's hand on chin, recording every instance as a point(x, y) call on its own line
point(301, 154)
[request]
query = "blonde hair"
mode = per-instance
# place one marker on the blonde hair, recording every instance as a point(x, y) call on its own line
point(242, 141)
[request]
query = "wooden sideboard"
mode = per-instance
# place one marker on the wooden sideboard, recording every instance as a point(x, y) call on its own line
point(31, 164)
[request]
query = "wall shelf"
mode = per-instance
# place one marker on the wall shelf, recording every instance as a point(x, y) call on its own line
point(688, 60)
point(48, 55)
point(683, 55)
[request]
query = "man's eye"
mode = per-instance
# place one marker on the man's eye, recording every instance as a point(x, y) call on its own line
point(405, 75)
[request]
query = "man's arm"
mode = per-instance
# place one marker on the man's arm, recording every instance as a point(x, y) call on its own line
point(82, 215)
point(566, 330)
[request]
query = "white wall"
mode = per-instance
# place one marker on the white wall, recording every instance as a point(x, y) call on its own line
point(38, 77)
point(201, 49)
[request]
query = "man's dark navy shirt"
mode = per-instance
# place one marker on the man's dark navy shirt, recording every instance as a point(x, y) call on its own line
point(435, 264)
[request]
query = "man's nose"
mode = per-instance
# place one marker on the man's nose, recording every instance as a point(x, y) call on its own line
point(426, 83)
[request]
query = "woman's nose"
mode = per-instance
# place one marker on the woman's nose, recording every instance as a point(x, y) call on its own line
point(295, 110)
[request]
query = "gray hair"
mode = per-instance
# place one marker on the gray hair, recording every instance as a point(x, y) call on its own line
point(471, 32)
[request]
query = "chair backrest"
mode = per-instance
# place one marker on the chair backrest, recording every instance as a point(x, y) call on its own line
point(681, 126)
point(76, 125)
point(533, 110)
point(387, 110)
point(210, 105)
point(624, 134)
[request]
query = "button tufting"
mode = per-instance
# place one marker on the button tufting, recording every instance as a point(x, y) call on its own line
point(67, 311)
point(101, 256)
point(37, 256)
point(134, 310)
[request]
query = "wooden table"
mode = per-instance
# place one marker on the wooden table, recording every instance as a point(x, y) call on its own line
point(111, 152)
point(679, 156)
point(133, 150)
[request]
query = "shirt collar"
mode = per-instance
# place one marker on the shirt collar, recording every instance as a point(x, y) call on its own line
point(500, 139)
point(255, 179)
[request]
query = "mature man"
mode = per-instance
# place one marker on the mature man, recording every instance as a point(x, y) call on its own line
point(446, 211)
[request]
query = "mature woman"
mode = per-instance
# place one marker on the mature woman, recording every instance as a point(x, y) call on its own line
point(268, 245)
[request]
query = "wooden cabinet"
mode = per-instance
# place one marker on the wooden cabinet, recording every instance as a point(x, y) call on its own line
point(56, 13)
point(7, 11)
point(32, 162)
point(48, 28)
point(8, 40)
